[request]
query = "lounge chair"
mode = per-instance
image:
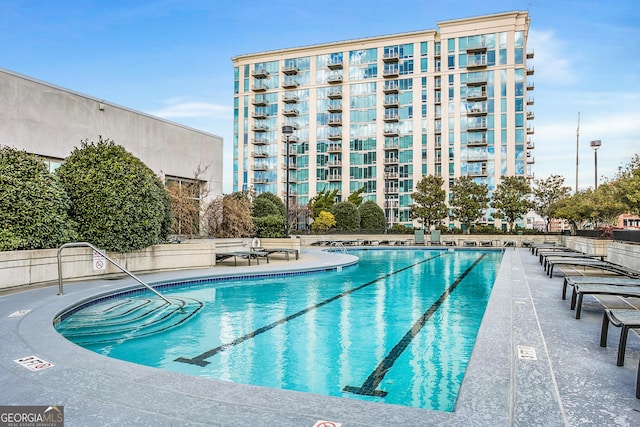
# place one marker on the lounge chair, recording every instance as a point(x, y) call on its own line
point(579, 291)
point(434, 238)
point(418, 237)
point(470, 243)
point(256, 247)
point(598, 280)
point(586, 263)
point(248, 255)
point(622, 318)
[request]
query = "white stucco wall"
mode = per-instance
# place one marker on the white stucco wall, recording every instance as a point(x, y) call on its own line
point(50, 121)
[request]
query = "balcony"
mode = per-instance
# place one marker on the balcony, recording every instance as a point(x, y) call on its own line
point(477, 109)
point(530, 130)
point(530, 160)
point(530, 115)
point(391, 56)
point(477, 79)
point(477, 124)
point(260, 167)
point(260, 87)
point(260, 73)
point(334, 78)
point(530, 145)
point(477, 61)
point(334, 135)
point(259, 180)
point(530, 54)
point(394, 144)
point(334, 148)
point(391, 117)
point(334, 63)
point(259, 113)
point(391, 189)
point(334, 121)
point(290, 70)
point(478, 94)
point(259, 128)
point(292, 179)
point(478, 172)
point(334, 93)
point(391, 72)
point(334, 106)
point(290, 98)
point(391, 203)
point(476, 139)
point(390, 86)
point(530, 71)
point(292, 164)
point(477, 157)
point(391, 160)
point(260, 100)
point(260, 154)
point(334, 163)
point(391, 101)
point(260, 141)
point(290, 83)
point(477, 46)
point(292, 139)
point(530, 100)
point(530, 86)
point(292, 123)
point(290, 112)
point(335, 177)
point(391, 175)
point(391, 132)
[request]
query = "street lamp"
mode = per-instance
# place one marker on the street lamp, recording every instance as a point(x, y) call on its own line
point(287, 131)
point(595, 144)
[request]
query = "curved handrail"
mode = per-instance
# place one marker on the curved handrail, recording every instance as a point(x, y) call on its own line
point(89, 245)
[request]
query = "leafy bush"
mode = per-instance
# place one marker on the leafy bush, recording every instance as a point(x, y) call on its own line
point(347, 216)
point(33, 204)
point(400, 229)
point(264, 207)
point(269, 226)
point(372, 217)
point(275, 200)
point(323, 223)
point(117, 201)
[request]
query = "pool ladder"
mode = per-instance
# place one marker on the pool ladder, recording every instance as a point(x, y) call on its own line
point(124, 270)
point(338, 247)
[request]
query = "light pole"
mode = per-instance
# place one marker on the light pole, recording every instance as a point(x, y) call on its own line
point(287, 131)
point(595, 144)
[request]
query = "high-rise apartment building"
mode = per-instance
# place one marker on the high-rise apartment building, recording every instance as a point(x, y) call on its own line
point(380, 113)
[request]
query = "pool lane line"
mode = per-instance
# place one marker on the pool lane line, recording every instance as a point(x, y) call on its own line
point(369, 386)
point(200, 360)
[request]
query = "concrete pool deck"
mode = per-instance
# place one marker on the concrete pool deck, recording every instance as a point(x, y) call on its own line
point(571, 382)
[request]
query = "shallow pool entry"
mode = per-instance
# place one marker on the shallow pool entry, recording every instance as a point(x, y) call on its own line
point(117, 320)
point(398, 327)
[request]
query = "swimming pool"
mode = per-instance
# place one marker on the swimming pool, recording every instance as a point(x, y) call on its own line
point(397, 328)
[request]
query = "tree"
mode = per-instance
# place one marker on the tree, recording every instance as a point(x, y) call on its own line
point(429, 201)
point(259, 203)
point(346, 215)
point(510, 199)
point(33, 204)
point(323, 201)
point(547, 192)
point(185, 207)
point(628, 185)
point(117, 201)
point(229, 215)
point(469, 200)
point(323, 222)
point(269, 226)
point(356, 197)
point(372, 217)
point(576, 209)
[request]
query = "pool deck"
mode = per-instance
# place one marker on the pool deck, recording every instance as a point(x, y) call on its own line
point(572, 381)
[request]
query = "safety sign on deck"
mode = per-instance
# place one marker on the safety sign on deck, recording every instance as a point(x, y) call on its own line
point(33, 363)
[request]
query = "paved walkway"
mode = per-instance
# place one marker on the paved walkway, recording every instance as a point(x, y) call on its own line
point(564, 378)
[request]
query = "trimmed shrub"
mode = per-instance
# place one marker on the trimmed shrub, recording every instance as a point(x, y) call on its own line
point(277, 202)
point(262, 207)
point(33, 204)
point(347, 216)
point(117, 201)
point(269, 226)
point(372, 217)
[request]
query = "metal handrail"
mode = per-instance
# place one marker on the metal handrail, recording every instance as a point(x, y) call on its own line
point(89, 245)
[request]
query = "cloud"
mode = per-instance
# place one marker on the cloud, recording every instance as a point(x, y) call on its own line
point(189, 109)
point(552, 62)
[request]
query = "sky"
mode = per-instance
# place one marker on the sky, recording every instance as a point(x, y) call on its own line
point(172, 59)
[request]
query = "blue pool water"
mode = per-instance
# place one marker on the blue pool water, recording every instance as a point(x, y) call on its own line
point(398, 327)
